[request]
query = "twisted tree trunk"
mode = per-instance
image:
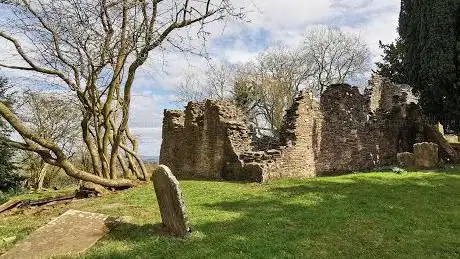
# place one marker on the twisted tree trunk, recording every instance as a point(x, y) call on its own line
point(95, 49)
point(52, 153)
point(42, 175)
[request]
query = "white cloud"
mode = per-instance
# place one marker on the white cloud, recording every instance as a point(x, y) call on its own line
point(285, 22)
point(271, 22)
point(276, 15)
point(146, 121)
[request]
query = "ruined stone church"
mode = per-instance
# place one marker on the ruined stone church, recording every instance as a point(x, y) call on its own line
point(345, 131)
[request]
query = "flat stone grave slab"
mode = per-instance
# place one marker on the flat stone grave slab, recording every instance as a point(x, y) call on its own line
point(71, 233)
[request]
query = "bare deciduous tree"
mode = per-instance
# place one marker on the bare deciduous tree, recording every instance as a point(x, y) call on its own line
point(190, 89)
point(54, 116)
point(216, 83)
point(326, 56)
point(265, 87)
point(220, 80)
point(95, 47)
point(336, 57)
point(272, 81)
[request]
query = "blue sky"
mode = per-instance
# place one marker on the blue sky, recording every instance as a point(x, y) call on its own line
point(271, 22)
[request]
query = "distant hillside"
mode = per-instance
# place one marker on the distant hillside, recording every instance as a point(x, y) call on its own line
point(151, 159)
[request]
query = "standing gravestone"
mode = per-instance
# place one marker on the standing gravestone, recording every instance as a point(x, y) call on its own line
point(169, 196)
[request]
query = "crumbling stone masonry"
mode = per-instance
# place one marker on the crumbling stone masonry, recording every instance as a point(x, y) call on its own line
point(346, 131)
point(300, 137)
point(383, 93)
point(204, 141)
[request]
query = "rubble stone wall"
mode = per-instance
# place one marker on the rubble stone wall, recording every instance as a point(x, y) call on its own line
point(383, 93)
point(346, 131)
point(347, 136)
point(204, 141)
point(300, 139)
point(366, 131)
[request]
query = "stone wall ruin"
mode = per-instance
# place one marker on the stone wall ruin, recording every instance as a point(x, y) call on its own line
point(204, 141)
point(346, 131)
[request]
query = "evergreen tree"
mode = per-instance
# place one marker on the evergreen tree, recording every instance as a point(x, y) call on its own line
point(392, 65)
point(429, 37)
point(9, 179)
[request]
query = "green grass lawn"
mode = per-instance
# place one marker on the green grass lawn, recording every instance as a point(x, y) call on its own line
point(452, 138)
point(373, 215)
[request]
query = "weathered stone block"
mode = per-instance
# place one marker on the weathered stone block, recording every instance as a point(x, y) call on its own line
point(67, 235)
point(406, 159)
point(274, 152)
point(172, 207)
point(426, 155)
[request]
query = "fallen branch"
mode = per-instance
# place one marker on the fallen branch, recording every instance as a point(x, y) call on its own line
point(11, 204)
point(45, 201)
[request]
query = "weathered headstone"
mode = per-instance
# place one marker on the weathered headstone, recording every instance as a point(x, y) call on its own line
point(169, 196)
point(426, 155)
point(69, 234)
point(406, 159)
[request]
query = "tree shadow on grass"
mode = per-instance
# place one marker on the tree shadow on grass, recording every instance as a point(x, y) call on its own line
point(352, 217)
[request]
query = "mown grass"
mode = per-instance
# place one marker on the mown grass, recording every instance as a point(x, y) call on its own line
point(452, 138)
point(372, 215)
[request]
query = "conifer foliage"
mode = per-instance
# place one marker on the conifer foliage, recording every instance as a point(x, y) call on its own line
point(9, 179)
point(427, 55)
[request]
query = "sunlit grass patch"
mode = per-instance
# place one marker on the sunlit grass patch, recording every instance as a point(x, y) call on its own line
point(365, 215)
